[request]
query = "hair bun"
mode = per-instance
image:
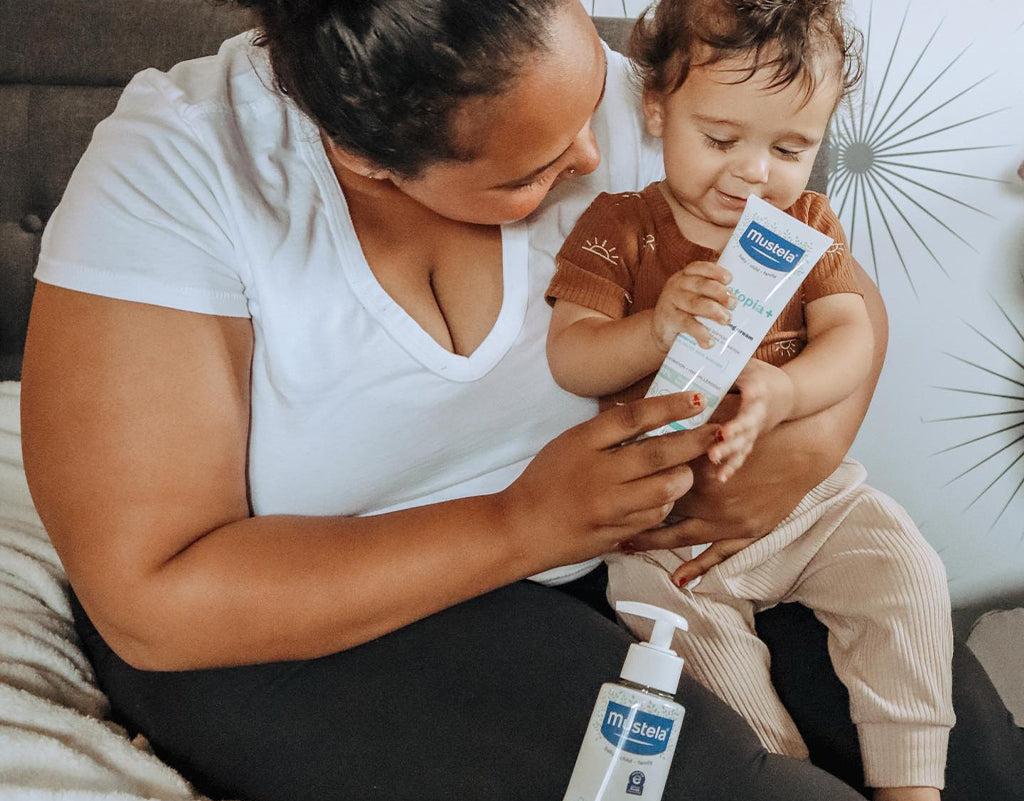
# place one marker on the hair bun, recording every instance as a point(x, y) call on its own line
point(259, 5)
point(288, 9)
point(297, 9)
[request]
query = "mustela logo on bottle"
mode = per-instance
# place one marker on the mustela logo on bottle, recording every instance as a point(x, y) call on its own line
point(769, 249)
point(634, 731)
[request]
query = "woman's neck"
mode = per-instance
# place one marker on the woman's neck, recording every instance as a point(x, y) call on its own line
point(378, 202)
point(447, 275)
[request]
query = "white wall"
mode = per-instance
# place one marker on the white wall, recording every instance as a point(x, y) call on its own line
point(945, 434)
point(924, 174)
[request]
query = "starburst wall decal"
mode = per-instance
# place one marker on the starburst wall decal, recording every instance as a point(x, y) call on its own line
point(883, 156)
point(996, 419)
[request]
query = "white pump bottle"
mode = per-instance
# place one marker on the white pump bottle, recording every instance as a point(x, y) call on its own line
point(631, 737)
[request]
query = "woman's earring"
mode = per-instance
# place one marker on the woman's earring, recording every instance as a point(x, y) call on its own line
point(572, 171)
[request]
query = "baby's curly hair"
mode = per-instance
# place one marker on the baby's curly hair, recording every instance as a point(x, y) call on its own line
point(788, 37)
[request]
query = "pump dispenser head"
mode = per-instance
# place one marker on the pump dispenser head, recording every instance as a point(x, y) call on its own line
point(654, 664)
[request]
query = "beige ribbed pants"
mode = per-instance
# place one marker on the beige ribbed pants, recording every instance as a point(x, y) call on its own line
point(853, 556)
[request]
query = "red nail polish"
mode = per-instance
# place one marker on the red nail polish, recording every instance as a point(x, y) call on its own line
point(698, 399)
point(719, 436)
point(627, 547)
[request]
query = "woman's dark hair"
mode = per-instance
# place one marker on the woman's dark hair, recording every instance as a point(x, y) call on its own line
point(790, 37)
point(383, 78)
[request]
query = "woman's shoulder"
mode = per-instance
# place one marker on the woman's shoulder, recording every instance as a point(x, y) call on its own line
point(621, 99)
point(172, 177)
point(235, 80)
point(631, 156)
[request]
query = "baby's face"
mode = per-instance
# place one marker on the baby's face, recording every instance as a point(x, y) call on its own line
point(724, 141)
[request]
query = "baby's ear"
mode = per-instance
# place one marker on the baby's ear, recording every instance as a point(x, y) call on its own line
point(654, 112)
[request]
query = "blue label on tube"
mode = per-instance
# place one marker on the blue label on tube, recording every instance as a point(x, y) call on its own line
point(769, 249)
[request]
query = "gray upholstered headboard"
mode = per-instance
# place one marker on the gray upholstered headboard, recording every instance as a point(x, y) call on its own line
point(62, 67)
point(63, 64)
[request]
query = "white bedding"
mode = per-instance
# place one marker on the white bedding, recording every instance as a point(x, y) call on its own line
point(54, 742)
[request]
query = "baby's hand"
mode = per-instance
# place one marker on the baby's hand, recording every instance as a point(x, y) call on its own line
point(766, 398)
point(699, 289)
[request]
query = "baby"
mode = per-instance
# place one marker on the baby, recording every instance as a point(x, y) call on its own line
point(740, 92)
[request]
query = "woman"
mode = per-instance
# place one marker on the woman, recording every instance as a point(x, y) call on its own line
point(305, 446)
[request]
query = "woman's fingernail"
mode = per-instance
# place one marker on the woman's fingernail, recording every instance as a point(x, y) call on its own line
point(698, 399)
point(719, 436)
point(627, 547)
point(682, 581)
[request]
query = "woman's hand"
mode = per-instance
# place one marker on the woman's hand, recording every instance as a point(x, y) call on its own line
point(598, 484)
point(766, 399)
point(697, 290)
point(787, 463)
point(731, 515)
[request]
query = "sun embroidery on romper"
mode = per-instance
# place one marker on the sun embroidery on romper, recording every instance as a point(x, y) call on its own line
point(601, 250)
point(788, 347)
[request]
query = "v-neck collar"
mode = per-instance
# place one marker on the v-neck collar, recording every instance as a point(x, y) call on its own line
point(408, 333)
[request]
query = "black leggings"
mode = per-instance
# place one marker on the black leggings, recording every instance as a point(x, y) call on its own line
point(488, 701)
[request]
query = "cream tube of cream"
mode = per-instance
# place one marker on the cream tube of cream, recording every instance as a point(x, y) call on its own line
point(769, 254)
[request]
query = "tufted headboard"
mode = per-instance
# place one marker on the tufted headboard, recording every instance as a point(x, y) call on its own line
point(62, 67)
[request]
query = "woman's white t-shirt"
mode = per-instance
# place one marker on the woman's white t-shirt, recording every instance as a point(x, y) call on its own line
point(208, 191)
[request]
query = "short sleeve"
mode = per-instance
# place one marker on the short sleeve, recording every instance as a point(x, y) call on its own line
point(595, 265)
point(143, 217)
point(832, 275)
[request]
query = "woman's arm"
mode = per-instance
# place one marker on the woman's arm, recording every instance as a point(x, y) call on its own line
point(786, 464)
point(135, 423)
